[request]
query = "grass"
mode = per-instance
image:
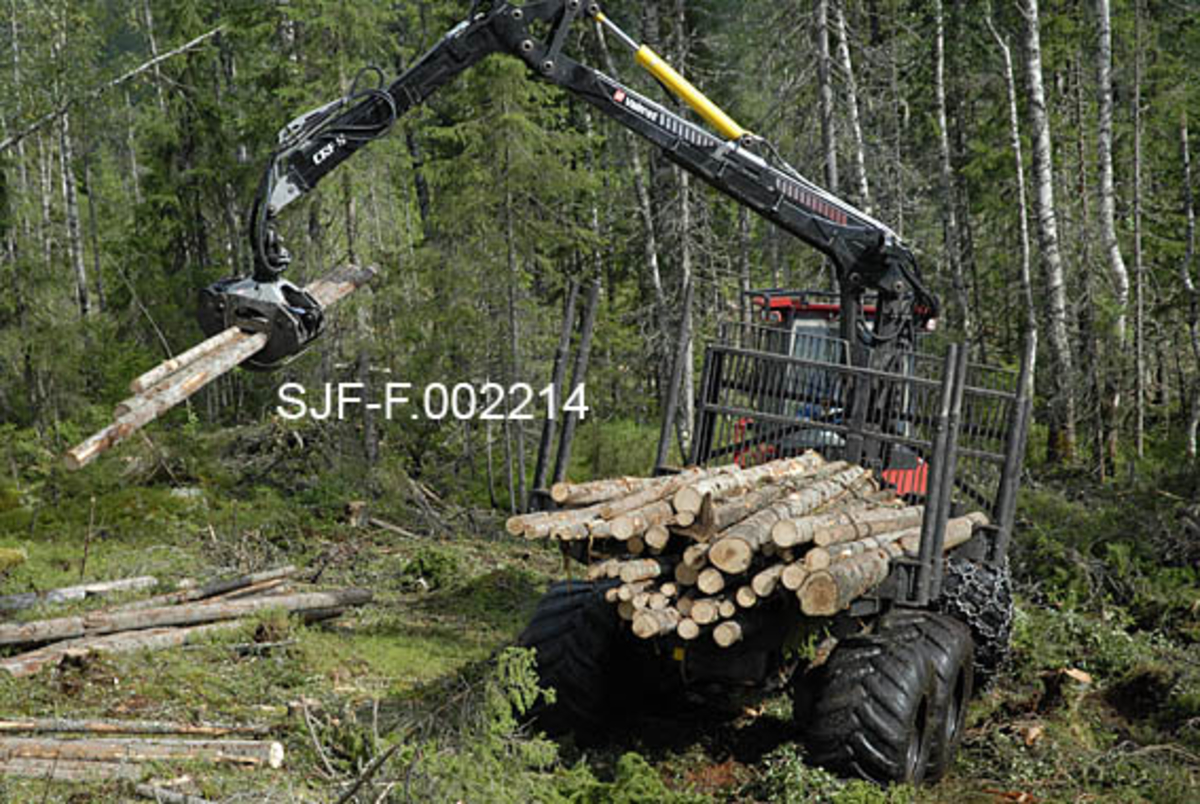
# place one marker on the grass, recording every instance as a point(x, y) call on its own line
point(424, 667)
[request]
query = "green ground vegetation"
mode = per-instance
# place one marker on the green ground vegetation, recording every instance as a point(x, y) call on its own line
point(1101, 702)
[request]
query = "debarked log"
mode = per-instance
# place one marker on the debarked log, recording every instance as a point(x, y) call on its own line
point(241, 752)
point(101, 622)
point(209, 364)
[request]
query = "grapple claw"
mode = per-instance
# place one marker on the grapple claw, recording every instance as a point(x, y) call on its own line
point(290, 316)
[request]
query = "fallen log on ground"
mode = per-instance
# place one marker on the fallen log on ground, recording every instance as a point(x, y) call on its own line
point(239, 752)
point(101, 622)
point(69, 770)
point(47, 725)
point(208, 364)
point(67, 594)
point(214, 589)
point(26, 664)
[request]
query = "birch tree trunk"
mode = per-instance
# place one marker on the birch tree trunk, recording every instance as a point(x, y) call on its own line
point(1026, 274)
point(1061, 445)
point(1108, 228)
point(825, 93)
point(1104, 134)
point(148, 21)
point(862, 184)
point(74, 230)
point(94, 231)
point(899, 118)
point(687, 408)
point(950, 232)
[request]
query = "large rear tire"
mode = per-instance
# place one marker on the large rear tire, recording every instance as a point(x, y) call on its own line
point(948, 644)
point(575, 633)
point(869, 710)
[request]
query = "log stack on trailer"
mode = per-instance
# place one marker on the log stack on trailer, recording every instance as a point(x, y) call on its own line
point(698, 554)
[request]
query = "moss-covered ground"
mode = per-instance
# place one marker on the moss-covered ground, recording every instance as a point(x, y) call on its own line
point(1100, 704)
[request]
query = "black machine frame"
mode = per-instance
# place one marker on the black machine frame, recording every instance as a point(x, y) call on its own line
point(958, 428)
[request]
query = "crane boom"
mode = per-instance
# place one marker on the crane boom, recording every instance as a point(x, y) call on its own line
point(867, 255)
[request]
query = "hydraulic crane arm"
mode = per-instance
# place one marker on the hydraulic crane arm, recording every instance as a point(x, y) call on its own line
point(868, 255)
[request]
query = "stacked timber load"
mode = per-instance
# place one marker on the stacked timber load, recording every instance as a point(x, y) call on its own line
point(704, 551)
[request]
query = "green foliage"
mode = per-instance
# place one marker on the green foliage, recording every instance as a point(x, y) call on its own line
point(787, 779)
point(635, 781)
point(611, 448)
point(436, 566)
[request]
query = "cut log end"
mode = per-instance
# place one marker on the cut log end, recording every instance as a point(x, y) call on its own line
point(711, 581)
point(728, 633)
point(731, 555)
point(688, 629)
point(819, 596)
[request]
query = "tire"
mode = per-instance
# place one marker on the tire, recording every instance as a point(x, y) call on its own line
point(868, 711)
point(574, 632)
point(951, 650)
point(980, 595)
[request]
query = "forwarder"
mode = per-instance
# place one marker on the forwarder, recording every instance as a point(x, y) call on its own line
point(844, 376)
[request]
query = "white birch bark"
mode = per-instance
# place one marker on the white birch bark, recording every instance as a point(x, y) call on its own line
point(825, 93)
point(74, 230)
point(1055, 308)
point(1104, 134)
point(950, 231)
point(862, 184)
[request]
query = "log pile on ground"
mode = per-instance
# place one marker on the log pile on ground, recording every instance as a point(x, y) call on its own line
point(165, 621)
point(699, 553)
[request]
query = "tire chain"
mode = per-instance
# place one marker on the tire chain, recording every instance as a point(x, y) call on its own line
point(981, 596)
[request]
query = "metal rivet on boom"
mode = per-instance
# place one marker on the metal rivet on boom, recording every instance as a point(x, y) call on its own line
point(547, 66)
point(518, 14)
point(527, 46)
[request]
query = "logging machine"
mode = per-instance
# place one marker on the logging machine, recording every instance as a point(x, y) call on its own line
point(884, 696)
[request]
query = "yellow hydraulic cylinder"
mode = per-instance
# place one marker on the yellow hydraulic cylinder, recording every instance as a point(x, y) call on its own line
point(677, 84)
point(693, 97)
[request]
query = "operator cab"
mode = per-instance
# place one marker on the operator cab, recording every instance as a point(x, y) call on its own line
point(806, 326)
